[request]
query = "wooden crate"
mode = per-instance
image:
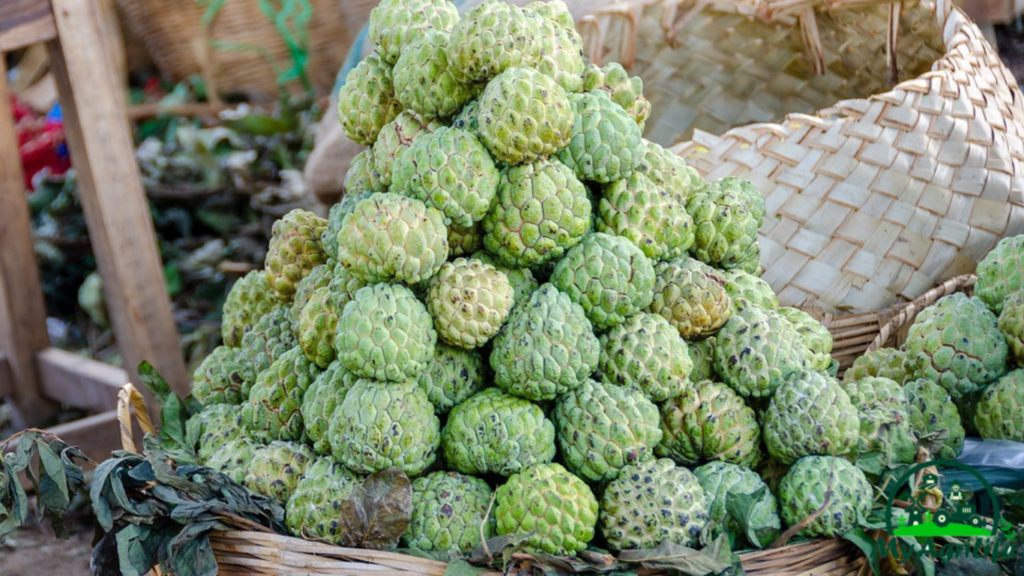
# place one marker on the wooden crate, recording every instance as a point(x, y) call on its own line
point(36, 377)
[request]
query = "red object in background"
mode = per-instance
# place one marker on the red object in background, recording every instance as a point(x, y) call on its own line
point(40, 141)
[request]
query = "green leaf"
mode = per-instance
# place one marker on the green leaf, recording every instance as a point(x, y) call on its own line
point(132, 555)
point(714, 559)
point(154, 382)
point(761, 529)
point(13, 502)
point(866, 544)
point(190, 551)
point(376, 513)
point(462, 568)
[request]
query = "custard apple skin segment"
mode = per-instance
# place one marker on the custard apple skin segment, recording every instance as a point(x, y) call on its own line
point(449, 515)
point(720, 480)
point(213, 427)
point(646, 352)
point(956, 342)
point(465, 241)
point(266, 342)
point(932, 410)
point(424, 81)
point(469, 301)
point(999, 413)
point(742, 285)
point(361, 177)
point(385, 333)
point(557, 507)
point(624, 90)
point(803, 491)
point(608, 276)
point(219, 378)
point(336, 217)
point(605, 144)
point(276, 469)
point(1011, 324)
point(452, 377)
point(603, 428)
point(882, 363)
point(450, 170)
point(546, 348)
point(491, 38)
point(496, 433)
point(522, 280)
point(274, 408)
point(523, 116)
point(321, 400)
point(561, 46)
point(319, 277)
point(1001, 273)
point(366, 101)
point(314, 506)
point(727, 214)
point(702, 353)
point(816, 337)
point(666, 171)
point(394, 24)
point(317, 324)
point(232, 458)
point(885, 424)
point(652, 219)
point(709, 422)
point(249, 300)
point(390, 237)
point(756, 350)
point(810, 415)
point(294, 251)
point(395, 138)
point(541, 211)
point(652, 502)
point(379, 425)
point(694, 301)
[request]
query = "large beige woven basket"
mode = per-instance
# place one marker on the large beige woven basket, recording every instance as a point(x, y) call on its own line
point(880, 194)
point(180, 45)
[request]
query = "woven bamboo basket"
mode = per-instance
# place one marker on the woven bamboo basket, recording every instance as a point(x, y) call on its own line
point(245, 552)
point(180, 46)
point(893, 333)
point(876, 192)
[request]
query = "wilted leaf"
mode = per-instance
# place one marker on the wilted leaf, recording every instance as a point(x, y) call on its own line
point(190, 551)
point(463, 568)
point(760, 530)
point(866, 544)
point(497, 547)
point(13, 503)
point(376, 513)
point(585, 562)
point(132, 555)
point(715, 559)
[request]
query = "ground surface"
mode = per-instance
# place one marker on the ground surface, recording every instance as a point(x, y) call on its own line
point(30, 552)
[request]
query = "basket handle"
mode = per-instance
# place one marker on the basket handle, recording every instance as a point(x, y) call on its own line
point(128, 397)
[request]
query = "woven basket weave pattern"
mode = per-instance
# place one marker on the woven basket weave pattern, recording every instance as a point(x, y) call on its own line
point(882, 193)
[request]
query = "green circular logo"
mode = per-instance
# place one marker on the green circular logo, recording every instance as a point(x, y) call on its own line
point(953, 518)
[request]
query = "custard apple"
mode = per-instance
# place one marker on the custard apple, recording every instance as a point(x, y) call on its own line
point(956, 342)
point(727, 214)
point(646, 352)
point(219, 378)
point(647, 216)
point(666, 171)
point(541, 211)
point(361, 176)
point(756, 350)
point(321, 400)
point(709, 422)
point(652, 502)
point(721, 482)
point(469, 301)
point(275, 469)
point(366, 101)
point(394, 24)
point(561, 46)
point(931, 411)
point(496, 433)
point(465, 241)
point(702, 353)
point(810, 414)
point(816, 337)
point(1011, 324)
point(450, 515)
point(883, 363)
point(385, 333)
point(608, 276)
point(603, 427)
point(999, 413)
point(213, 427)
point(453, 375)
point(524, 115)
point(491, 38)
point(692, 300)
point(319, 277)
point(274, 408)
point(269, 339)
point(232, 458)
point(294, 251)
point(379, 425)
point(750, 288)
point(885, 427)
point(546, 348)
point(335, 218)
point(626, 91)
point(1001, 273)
point(522, 280)
point(424, 81)
point(395, 138)
point(249, 300)
point(391, 237)
point(450, 170)
point(317, 324)
point(313, 507)
point(605, 143)
point(546, 500)
point(803, 491)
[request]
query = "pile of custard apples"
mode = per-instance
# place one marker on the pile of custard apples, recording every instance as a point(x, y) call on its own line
point(552, 325)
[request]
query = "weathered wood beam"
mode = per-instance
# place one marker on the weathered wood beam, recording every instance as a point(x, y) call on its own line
point(79, 381)
point(25, 22)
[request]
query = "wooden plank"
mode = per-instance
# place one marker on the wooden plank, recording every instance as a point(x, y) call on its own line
point(6, 380)
point(110, 187)
point(22, 310)
point(25, 22)
point(79, 381)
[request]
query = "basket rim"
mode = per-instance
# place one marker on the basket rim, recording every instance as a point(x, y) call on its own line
point(908, 311)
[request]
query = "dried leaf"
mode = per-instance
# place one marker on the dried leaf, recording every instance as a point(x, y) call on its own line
point(463, 568)
point(498, 546)
point(13, 502)
point(713, 560)
point(376, 513)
